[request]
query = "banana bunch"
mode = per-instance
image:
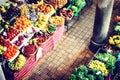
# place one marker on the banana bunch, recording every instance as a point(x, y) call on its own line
point(18, 63)
point(24, 10)
point(95, 64)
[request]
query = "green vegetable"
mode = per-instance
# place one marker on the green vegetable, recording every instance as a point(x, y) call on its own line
point(74, 8)
point(80, 75)
point(91, 77)
point(84, 69)
point(75, 71)
point(100, 77)
point(109, 60)
point(85, 79)
point(72, 77)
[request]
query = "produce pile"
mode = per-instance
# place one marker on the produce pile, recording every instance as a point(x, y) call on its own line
point(10, 34)
point(57, 20)
point(76, 6)
point(29, 49)
point(67, 14)
point(23, 27)
point(100, 67)
point(10, 52)
point(85, 73)
point(114, 39)
point(22, 23)
point(39, 38)
point(95, 64)
point(18, 63)
point(108, 59)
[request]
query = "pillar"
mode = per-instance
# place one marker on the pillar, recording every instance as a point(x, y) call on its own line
point(101, 24)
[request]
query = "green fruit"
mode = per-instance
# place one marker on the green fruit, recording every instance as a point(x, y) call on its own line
point(74, 8)
point(6, 26)
point(36, 23)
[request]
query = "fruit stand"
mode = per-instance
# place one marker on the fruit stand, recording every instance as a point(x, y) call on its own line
point(28, 31)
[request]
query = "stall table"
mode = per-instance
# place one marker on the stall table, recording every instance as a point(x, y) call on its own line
point(46, 47)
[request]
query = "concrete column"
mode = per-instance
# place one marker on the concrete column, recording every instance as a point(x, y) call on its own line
point(101, 24)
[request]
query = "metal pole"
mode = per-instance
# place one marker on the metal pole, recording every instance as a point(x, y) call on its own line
point(101, 24)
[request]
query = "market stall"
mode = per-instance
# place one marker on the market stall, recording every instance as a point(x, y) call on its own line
point(28, 31)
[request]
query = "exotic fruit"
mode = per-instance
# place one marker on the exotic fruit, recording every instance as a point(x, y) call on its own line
point(18, 63)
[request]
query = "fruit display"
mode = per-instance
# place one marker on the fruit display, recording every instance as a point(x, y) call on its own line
point(10, 34)
point(24, 37)
point(76, 5)
point(19, 41)
point(67, 14)
point(95, 64)
point(2, 49)
point(22, 23)
point(51, 28)
point(34, 1)
point(18, 63)
point(117, 28)
point(117, 19)
point(24, 10)
point(29, 50)
point(108, 59)
point(57, 20)
point(11, 13)
point(10, 52)
point(5, 43)
point(114, 40)
point(4, 24)
point(84, 73)
point(39, 38)
point(45, 8)
point(41, 22)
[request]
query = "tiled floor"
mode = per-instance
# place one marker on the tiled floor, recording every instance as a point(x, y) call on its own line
point(70, 52)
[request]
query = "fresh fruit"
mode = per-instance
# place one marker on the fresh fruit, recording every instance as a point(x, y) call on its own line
point(19, 41)
point(22, 23)
point(114, 40)
point(10, 34)
point(39, 38)
point(51, 28)
point(29, 49)
point(95, 64)
point(108, 59)
point(67, 14)
point(57, 20)
point(5, 43)
point(45, 8)
point(2, 49)
point(18, 63)
point(41, 22)
point(10, 52)
point(24, 10)
point(74, 8)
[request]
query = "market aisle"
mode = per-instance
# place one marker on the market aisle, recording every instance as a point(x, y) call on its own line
point(69, 53)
